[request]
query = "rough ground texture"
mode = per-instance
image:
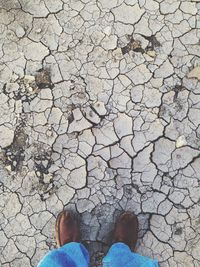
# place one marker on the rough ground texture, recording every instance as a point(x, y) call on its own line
point(100, 113)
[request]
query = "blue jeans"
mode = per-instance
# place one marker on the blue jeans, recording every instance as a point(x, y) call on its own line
point(76, 255)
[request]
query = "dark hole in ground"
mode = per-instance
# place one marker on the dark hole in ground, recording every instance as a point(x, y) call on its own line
point(178, 231)
point(133, 45)
point(43, 79)
point(42, 165)
point(153, 42)
point(14, 154)
point(177, 89)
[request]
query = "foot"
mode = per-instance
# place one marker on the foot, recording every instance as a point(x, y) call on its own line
point(126, 229)
point(67, 228)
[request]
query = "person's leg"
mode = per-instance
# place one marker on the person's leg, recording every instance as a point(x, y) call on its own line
point(120, 255)
point(70, 255)
point(70, 252)
point(125, 238)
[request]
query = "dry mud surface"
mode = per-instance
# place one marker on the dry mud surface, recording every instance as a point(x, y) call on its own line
point(100, 113)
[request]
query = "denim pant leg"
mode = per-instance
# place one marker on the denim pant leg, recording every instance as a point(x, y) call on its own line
point(70, 255)
point(120, 255)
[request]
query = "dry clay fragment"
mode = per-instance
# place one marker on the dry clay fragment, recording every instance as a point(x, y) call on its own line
point(6, 136)
point(195, 73)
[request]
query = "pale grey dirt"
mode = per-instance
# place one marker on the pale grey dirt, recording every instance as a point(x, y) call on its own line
point(100, 113)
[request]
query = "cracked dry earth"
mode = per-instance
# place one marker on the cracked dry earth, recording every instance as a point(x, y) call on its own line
point(100, 113)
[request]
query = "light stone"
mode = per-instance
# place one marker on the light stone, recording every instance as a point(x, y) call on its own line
point(20, 32)
point(181, 141)
point(29, 79)
point(100, 108)
point(92, 116)
point(151, 53)
point(107, 30)
point(194, 73)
